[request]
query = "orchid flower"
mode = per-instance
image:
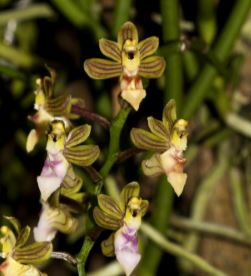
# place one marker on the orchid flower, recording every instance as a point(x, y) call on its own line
point(62, 150)
point(124, 217)
point(52, 220)
point(168, 140)
point(130, 60)
point(48, 107)
point(20, 258)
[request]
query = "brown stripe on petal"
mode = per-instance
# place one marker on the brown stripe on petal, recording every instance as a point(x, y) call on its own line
point(110, 49)
point(110, 206)
point(145, 140)
point(78, 135)
point(102, 69)
point(104, 221)
point(148, 46)
point(152, 67)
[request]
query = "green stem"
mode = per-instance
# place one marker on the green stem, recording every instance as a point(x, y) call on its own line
point(161, 213)
point(121, 14)
point(210, 229)
point(27, 13)
point(178, 251)
point(83, 255)
point(171, 32)
point(114, 145)
point(240, 207)
point(221, 51)
point(115, 132)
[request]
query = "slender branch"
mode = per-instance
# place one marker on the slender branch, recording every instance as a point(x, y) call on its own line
point(64, 256)
point(27, 13)
point(220, 231)
point(240, 207)
point(239, 124)
point(128, 153)
point(91, 116)
point(178, 251)
point(221, 50)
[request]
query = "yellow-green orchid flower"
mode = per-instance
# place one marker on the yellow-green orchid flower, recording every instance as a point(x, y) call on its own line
point(168, 139)
point(63, 149)
point(48, 106)
point(124, 217)
point(130, 60)
point(19, 257)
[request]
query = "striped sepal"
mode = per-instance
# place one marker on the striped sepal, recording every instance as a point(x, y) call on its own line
point(132, 189)
point(98, 68)
point(83, 155)
point(35, 253)
point(78, 135)
point(59, 106)
point(105, 221)
point(127, 32)
point(146, 140)
point(148, 46)
point(107, 246)
point(152, 67)
point(110, 49)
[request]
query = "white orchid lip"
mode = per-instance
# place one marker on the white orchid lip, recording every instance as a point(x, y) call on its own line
point(126, 248)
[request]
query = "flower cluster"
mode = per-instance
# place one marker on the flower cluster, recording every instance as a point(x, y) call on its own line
point(167, 139)
point(68, 146)
point(124, 217)
point(19, 257)
point(130, 60)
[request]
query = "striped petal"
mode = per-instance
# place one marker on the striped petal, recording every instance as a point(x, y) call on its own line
point(98, 68)
point(105, 221)
point(59, 106)
point(23, 236)
point(169, 114)
point(146, 140)
point(110, 206)
point(35, 253)
point(110, 49)
point(152, 67)
point(148, 46)
point(107, 246)
point(78, 135)
point(158, 128)
point(127, 32)
point(83, 155)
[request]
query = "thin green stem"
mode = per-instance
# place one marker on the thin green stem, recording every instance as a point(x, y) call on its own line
point(83, 255)
point(221, 51)
point(171, 32)
point(207, 20)
point(178, 251)
point(27, 13)
point(121, 14)
point(220, 231)
point(240, 206)
point(114, 144)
